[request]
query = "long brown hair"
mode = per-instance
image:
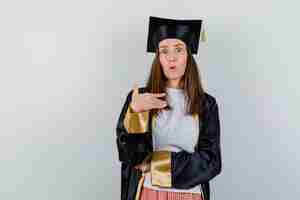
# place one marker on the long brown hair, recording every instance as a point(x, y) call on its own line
point(190, 83)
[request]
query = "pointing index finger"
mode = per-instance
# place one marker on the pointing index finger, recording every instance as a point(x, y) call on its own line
point(159, 94)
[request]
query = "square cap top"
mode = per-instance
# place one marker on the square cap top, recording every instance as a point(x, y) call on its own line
point(162, 28)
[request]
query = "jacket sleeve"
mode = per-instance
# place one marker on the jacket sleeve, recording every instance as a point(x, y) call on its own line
point(132, 132)
point(184, 170)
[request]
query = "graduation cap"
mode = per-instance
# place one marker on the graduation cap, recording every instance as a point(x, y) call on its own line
point(189, 31)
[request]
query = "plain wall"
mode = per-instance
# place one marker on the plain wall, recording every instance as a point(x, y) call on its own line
point(67, 66)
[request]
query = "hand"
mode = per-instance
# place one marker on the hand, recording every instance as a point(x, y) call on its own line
point(146, 101)
point(144, 167)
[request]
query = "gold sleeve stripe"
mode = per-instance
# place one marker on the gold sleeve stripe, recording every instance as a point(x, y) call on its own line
point(154, 118)
point(136, 123)
point(161, 169)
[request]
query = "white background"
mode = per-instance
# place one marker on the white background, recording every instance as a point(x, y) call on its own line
point(67, 66)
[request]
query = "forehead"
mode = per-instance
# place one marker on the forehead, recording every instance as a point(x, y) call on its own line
point(171, 42)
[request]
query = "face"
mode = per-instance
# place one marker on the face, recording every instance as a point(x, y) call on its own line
point(173, 58)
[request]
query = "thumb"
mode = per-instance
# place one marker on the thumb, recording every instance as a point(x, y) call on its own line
point(135, 90)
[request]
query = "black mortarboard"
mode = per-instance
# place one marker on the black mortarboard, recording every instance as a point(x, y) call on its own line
point(189, 31)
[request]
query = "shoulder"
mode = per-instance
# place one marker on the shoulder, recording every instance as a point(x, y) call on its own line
point(209, 100)
point(141, 90)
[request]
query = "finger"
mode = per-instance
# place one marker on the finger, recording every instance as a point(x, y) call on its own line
point(162, 105)
point(159, 95)
point(159, 103)
point(137, 167)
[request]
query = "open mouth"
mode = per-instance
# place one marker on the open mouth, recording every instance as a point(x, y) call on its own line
point(172, 67)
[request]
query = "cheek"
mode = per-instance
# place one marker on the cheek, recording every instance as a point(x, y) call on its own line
point(182, 59)
point(163, 62)
point(182, 62)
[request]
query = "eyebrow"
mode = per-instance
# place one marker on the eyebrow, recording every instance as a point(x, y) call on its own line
point(176, 45)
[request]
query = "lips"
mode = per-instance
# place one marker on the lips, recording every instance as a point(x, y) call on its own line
point(172, 67)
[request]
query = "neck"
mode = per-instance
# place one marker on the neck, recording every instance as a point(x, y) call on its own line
point(173, 84)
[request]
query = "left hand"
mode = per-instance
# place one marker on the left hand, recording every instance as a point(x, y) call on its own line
point(143, 167)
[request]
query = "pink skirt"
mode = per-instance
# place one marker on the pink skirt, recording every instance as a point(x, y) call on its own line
point(150, 194)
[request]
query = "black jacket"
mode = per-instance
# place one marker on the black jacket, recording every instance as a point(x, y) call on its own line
point(187, 169)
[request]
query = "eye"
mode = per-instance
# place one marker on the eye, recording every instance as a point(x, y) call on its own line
point(164, 51)
point(178, 50)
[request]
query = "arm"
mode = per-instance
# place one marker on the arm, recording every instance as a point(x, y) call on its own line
point(132, 132)
point(184, 170)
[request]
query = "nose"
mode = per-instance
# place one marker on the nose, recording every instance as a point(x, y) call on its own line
point(171, 57)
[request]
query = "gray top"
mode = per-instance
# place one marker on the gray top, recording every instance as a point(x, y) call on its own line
point(174, 131)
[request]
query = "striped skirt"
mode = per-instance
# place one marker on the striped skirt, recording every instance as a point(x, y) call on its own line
point(150, 194)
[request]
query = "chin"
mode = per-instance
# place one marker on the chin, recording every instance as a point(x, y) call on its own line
point(174, 77)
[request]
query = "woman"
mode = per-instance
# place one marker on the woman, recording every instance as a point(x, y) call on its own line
point(168, 133)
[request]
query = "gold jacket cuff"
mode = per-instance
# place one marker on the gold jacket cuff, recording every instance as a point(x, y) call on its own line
point(139, 188)
point(161, 169)
point(142, 179)
point(136, 122)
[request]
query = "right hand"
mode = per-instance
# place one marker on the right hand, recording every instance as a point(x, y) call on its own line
point(146, 101)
